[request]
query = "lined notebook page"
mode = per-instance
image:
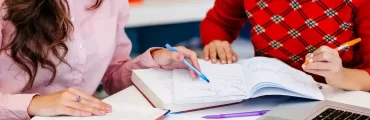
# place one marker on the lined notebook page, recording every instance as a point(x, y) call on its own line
point(270, 70)
point(226, 84)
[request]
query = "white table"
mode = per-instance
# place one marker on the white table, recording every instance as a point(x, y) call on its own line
point(159, 12)
point(132, 96)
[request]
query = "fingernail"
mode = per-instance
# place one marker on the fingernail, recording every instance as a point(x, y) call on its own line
point(207, 58)
point(223, 62)
point(311, 55)
point(229, 62)
point(310, 60)
point(109, 109)
point(213, 60)
point(303, 66)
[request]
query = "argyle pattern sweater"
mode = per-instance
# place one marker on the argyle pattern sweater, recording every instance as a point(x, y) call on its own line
point(289, 29)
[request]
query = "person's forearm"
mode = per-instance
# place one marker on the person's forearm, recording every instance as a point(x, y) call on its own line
point(355, 79)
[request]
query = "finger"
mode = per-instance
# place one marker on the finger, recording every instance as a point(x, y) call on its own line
point(325, 49)
point(323, 57)
point(63, 110)
point(72, 98)
point(206, 52)
point(193, 58)
point(97, 105)
point(96, 102)
point(318, 66)
point(228, 51)
point(309, 58)
point(309, 55)
point(177, 56)
point(221, 54)
point(322, 73)
point(235, 57)
point(192, 74)
point(84, 107)
point(191, 55)
point(213, 53)
point(191, 71)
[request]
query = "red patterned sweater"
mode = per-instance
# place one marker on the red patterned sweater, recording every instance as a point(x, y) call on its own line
point(289, 29)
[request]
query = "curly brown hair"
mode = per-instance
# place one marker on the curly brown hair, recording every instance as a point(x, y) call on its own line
point(41, 29)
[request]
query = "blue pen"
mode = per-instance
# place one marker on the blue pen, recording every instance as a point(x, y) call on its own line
point(187, 63)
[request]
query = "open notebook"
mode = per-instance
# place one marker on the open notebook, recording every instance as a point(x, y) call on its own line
point(231, 83)
point(120, 112)
point(250, 78)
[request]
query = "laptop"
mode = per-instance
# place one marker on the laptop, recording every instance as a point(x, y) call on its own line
point(300, 109)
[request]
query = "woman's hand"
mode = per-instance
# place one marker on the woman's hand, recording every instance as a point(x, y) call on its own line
point(165, 57)
point(222, 49)
point(65, 103)
point(326, 62)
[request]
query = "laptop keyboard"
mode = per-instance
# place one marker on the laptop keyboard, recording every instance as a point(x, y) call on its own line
point(333, 114)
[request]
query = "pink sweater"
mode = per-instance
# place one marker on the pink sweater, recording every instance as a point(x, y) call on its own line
point(99, 51)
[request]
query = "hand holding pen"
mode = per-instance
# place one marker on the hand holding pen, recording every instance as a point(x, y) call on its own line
point(166, 58)
point(190, 65)
point(326, 62)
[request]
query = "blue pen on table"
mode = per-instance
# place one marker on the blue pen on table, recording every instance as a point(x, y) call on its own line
point(233, 115)
point(187, 63)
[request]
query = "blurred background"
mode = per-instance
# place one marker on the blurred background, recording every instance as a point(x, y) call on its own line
point(153, 23)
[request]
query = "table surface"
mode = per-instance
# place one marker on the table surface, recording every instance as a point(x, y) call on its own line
point(358, 98)
point(160, 12)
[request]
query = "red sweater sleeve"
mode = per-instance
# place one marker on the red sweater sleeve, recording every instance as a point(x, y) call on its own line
point(224, 21)
point(362, 25)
